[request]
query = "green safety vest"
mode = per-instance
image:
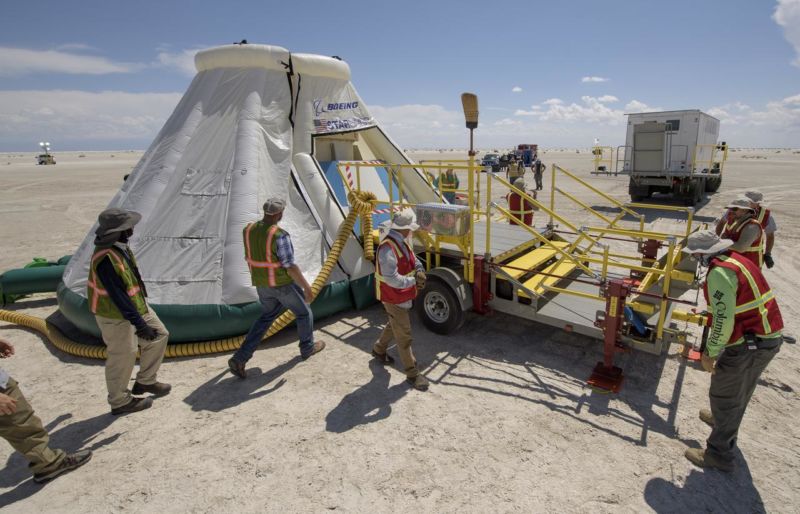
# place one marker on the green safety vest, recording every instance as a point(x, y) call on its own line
point(100, 302)
point(261, 252)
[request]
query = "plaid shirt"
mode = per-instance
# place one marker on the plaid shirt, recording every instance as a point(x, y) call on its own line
point(285, 250)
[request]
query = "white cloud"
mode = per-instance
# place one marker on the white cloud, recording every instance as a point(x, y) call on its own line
point(516, 89)
point(553, 101)
point(637, 106)
point(83, 116)
point(608, 99)
point(20, 61)
point(183, 61)
point(594, 79)
point(535, 111)
point(787, 15)
point(75, 46)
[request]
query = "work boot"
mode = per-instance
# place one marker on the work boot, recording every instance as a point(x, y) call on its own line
point(158, 389)
point(70, 462)
point(419, 382)
point(318, 347)
point(706, 417)
point(135, 405)
point(383, 358)
point(237, 368)
point(699, 457)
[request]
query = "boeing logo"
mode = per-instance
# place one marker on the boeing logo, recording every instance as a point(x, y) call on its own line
point(320, 108)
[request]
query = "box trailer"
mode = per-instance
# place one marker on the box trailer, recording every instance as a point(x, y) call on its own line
point(673, 152)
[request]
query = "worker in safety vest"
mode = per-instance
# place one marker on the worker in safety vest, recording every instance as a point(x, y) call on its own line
point(744, 336)
point(518, 206)
point(398, 277)
point(767, 221)
point(744, 230)
point(280, 285)
point(117, 297)
point(764, 217)
point(447, 185)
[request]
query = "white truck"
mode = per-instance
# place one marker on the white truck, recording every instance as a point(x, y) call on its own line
point(673, 152)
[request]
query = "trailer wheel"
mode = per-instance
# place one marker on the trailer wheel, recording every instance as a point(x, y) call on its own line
point(438, 308)
point(713, 183)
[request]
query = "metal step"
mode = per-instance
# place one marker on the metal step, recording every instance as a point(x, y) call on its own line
point(532, 260)
point(538, 282)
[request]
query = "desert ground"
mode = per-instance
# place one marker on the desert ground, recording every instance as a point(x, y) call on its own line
point(508, 424)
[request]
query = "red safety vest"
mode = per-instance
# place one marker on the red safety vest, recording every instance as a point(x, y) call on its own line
point(757, 310)
point(520, 208)
point(755, 252)
point(406, 266)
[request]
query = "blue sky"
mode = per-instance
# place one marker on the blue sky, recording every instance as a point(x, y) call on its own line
point(106, 75)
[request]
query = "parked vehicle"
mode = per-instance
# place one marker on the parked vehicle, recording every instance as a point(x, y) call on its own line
point(673, 152)
point(528, 153)
point(491, 162)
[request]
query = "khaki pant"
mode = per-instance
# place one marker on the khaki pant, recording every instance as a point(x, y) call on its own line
point(399, 329)
point(122, 343)
point(24, 431)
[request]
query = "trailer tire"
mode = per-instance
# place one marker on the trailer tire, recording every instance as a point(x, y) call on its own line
point(713, 183)
point(438, 308)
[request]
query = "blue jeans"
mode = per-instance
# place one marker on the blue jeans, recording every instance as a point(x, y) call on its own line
point(273, 301)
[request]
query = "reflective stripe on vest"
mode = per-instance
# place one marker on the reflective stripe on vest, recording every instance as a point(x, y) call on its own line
point(400, 256)
point(760, 301)
point(96, 290)
point(755, 253)
point(520, 209)
point(269, 264)
point(763, 217)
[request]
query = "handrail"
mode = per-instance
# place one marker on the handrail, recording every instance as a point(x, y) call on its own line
point(604, 195)
point(544, 240)
point(541, 206)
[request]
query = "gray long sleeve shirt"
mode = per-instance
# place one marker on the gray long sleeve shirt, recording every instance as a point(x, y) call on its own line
point(388, 264)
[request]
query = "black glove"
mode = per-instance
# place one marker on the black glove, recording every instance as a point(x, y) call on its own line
point(147, 333)
point(768, 260)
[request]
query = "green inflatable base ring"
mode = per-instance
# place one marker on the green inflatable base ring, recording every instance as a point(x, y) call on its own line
point(194, 323)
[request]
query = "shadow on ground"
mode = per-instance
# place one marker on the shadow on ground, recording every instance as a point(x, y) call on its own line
point(706, 491)
point(369, 403)
point(516, 358)
point(81, 435)
point(226, 390)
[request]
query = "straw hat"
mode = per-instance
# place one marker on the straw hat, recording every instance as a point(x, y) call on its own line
point(741, 202)
point(706, 241)
point(404, 220)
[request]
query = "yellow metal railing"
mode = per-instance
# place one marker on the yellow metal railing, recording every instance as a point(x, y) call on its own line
point(714, 160)
point(603, 157)
point(582, 258)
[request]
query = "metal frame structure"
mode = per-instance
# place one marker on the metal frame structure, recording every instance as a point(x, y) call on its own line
point(580, 285)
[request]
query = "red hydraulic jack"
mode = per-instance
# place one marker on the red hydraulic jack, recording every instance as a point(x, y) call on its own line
point(606, 375)
point(481, 292)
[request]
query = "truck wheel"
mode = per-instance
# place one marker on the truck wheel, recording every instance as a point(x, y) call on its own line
point(713, 183)
point(438, 308)
point(700, 190)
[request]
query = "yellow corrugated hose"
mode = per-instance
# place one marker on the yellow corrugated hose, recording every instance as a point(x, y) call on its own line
point(360, 205)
